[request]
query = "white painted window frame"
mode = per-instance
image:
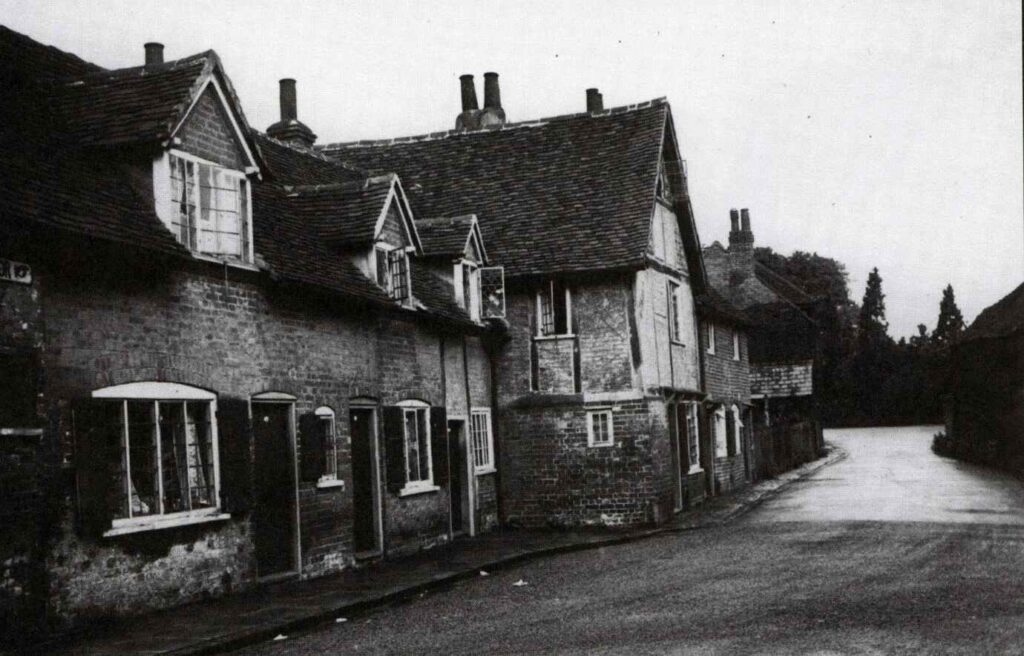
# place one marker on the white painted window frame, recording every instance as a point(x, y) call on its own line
point(330, 477)
point(735, 345)
point(693, 413)
point(167, 392)
point(591, 435)
point(711, 336)
point(721, 448)
point(473, 304)
point(487, 467)
point(426, 485)
point(165, 210)
point(737, 424)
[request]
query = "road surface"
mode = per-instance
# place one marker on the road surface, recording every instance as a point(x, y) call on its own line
point(891, 551)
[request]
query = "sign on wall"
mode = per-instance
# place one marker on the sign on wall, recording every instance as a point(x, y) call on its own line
point(11, 271)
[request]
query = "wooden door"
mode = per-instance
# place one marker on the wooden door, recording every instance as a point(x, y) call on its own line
point(274, 512)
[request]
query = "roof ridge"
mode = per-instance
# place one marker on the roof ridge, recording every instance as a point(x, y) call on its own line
point(311, 152)
point(531, 123)
point(206, 56)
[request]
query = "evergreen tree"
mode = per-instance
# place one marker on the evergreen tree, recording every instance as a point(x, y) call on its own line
point(951, 322)
point(921, 339)
point(872, 326)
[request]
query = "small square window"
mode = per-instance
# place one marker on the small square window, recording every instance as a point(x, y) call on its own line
point(600, 430)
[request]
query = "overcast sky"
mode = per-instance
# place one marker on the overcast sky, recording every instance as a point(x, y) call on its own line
point(883, 134)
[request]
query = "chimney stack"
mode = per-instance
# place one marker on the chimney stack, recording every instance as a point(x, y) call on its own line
point(595, 101)
point(468, 93)
point(741, 247)
point(492, 113)
point(290, 128)
point(154, 53)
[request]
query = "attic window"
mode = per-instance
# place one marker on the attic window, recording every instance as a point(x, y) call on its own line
point(210, 208)
point(392, 271)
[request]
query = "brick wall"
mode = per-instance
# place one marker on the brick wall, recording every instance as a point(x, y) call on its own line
point(237, 338)
point(207, 133)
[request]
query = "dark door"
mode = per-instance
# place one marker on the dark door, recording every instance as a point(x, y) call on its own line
point(274, 514)
point(456, 441)
point(364, 483)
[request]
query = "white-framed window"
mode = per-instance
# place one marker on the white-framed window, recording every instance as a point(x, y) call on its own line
point(492, 292)
point(600, 428)
point(693, 435)
point(329, 443)
point(709, 336)
point(482, 440)
point(419, 469)
point(554, 309)
point(735, 344)
point(673, 312)
point(391, 268)
point(209, 208)
point(169, 472)
point(737, 431)
point(718, 428)
point(467, 286)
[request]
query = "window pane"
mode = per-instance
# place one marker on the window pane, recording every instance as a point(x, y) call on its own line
point(328, 442)
point(423, 434)
point(412, 447)
point(561, 311)
point(142, 482)
point(199, 450)
point(175, 462)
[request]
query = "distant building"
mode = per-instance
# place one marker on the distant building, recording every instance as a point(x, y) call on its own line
point(985, 406)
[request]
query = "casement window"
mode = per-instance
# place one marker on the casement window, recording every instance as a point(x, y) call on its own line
point(718, 427)
point(151, 451)
point(731, 440)
point(416, 441)
point(709, 336)
point(210, 208)
point(673, 312)
point(492, 292)
point(418, 468)
point(391, 266)
point(319, 448)
point(480, 291)
point(554, 308)
point(600, 429)
point(482, 441)
point(687, 419)
point(735, 345)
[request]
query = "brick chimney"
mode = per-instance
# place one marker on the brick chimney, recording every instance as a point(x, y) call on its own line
point(595, 101)
point(469, 119)
point(154, 53)
point(741, 247)
point(290, 128)
point(492, 113)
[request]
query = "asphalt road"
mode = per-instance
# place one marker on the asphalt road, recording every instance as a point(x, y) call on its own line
point(891, 551)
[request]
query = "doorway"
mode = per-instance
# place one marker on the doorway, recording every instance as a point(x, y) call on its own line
point(460, 493)
point(366, 528)
point(274, 515)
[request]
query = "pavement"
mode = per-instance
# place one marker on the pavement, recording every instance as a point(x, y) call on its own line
point(290, 608)
point(890, 550)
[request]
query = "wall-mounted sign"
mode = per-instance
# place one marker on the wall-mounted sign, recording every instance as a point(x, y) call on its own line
point(11, 271)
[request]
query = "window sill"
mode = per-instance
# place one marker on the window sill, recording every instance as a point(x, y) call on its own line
point(236, 264)
point(542, 338)
point(600, 445)
point(483, 471)
point(139, 525)
point(676, 342)
point(695, 469)
point(21, 432)
point(328, 483)
point(410, 490)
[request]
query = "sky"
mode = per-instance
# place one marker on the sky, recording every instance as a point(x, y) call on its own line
point(882, 134)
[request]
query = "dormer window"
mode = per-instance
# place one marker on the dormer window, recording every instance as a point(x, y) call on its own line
point(392, 271)
point(209, 209)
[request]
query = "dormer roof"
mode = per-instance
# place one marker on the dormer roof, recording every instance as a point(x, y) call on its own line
point(451, 236)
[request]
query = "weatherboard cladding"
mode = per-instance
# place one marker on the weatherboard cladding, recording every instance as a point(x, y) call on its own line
point(568, 194)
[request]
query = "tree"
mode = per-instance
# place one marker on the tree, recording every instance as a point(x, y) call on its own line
point(872, 326)
point(951, 323)
point(921, 339)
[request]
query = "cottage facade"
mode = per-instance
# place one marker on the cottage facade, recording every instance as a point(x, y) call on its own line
point(236, 361)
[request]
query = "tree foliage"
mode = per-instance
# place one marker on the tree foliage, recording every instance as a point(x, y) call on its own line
point(950, 325)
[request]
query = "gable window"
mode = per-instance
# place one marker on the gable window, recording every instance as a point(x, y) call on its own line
point(735, 345)
point(209, 211)
point(391, 266)
point(673, 312)
point(554, 307)
point(162, 445)
point(483, 441)
point(709, 336)
point(600, 431)
point(418, 469)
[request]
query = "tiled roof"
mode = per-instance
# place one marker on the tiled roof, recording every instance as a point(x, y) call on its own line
point(782, 285)
point(1003, 318)
point(445, 236)
point(714, 304)
point(568, 194)
point(288, 164)
point(344, 214)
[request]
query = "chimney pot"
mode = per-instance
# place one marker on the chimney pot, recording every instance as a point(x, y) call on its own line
point(154, 53)
point(734, 220)
point(745, 220)
point(289, 105)
point(595, 101)
point(492, 94)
